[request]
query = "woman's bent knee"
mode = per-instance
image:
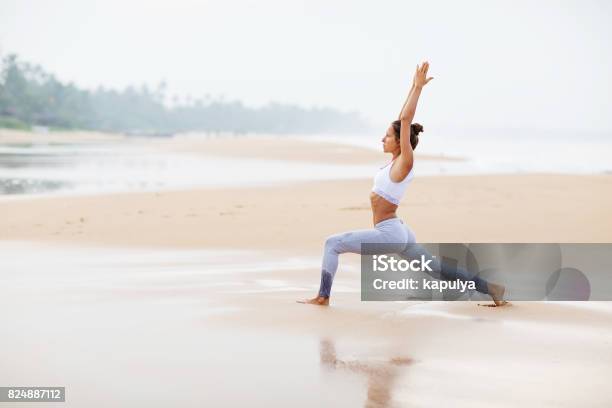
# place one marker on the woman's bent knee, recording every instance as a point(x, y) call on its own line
point(332, 242)
point(338, 243)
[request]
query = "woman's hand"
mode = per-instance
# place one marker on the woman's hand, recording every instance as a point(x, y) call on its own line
point(420, 76)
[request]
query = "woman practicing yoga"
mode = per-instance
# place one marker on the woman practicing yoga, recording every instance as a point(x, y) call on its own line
point(390, 183)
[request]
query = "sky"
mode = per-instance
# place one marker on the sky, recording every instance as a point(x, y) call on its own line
point(496, 64)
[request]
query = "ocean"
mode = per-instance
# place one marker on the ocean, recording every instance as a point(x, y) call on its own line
point(103, 167)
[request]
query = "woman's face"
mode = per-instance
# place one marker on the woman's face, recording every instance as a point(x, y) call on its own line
point(390, 144)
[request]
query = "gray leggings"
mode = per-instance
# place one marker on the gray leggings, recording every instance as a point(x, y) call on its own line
point(392, 231)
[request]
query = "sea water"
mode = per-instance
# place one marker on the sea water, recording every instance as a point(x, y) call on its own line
point(501, 151)
point(64, 168)
point(121, 167)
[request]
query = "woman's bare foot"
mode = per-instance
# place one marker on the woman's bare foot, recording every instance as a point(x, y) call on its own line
point(319, 300)
point(497, 293)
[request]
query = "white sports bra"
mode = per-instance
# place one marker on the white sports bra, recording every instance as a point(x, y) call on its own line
point(387, 188)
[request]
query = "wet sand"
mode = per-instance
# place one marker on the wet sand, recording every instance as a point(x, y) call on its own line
point(195, 328)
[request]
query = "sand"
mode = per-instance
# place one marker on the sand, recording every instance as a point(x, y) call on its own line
point(291, 148)
point(525, 208)
point(298, 217)
point(133, 299)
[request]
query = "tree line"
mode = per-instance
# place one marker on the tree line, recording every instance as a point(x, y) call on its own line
point(31, 96)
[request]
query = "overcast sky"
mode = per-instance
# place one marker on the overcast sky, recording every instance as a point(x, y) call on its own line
point(531, 64)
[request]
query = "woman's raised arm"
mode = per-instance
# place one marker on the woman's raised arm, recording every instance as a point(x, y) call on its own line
point(406, 101)
point(409, 109)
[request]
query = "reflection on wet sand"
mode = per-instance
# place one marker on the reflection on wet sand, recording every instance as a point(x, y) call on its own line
point(381, 375)
point(213, 318)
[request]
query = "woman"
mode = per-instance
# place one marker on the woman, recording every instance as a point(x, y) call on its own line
point(390, 184)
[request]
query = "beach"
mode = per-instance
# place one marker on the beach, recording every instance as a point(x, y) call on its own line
point(533, 208)
point(187, 296)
